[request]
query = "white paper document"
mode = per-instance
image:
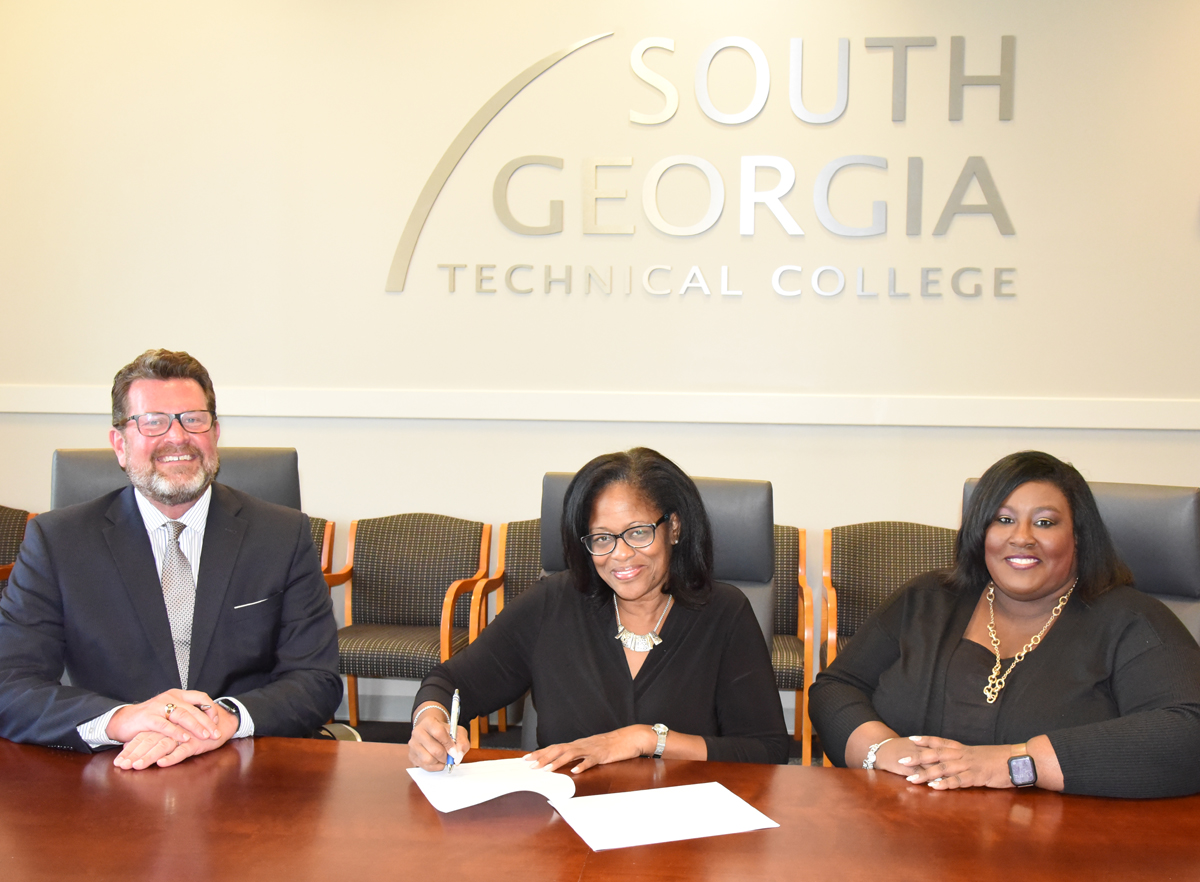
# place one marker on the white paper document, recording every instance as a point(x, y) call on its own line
point(667, 814)
point(473, 783)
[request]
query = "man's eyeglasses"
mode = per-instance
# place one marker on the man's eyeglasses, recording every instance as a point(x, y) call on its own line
point(637, 536)
point(154, 424)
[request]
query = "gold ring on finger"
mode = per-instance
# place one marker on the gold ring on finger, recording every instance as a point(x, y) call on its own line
point(170, 710)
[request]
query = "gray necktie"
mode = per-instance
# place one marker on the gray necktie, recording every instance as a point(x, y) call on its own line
point(179, 593)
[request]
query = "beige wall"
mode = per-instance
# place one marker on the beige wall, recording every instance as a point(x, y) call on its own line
point(233, 178)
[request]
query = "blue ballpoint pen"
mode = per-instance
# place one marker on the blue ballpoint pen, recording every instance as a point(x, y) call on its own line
point(453, 729)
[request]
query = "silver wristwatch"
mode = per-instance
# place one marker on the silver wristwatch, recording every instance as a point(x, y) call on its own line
point(869, 761)
point(661, 731)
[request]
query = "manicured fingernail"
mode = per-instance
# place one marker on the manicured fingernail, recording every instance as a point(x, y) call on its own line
point(527, 757)
point(914, 737)
point(575, 771)
point(912, 778)
point(904, 759)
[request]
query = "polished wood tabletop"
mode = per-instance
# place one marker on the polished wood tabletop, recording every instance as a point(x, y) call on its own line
point(276, 808)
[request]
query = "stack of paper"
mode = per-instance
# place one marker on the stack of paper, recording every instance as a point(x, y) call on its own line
point(610, 820)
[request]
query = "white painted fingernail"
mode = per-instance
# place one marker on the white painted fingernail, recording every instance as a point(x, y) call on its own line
point(914, 737)
point(912, 778)
point(904, 759)
point(527, 757)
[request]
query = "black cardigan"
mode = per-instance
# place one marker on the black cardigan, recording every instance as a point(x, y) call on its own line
point(711, 675)
point(1115, 685)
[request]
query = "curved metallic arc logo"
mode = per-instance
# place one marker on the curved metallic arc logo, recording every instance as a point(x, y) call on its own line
point(398, 274)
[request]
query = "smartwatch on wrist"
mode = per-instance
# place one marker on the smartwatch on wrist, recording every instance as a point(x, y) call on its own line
point(1021, 769)
point(661, 731)
point(226, 704)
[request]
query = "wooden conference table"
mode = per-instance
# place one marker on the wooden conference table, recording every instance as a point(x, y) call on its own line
point(279, 808)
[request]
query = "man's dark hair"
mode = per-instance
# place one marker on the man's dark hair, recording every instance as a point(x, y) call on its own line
point(158, 364)
point(1096, 561)
point(671, 491)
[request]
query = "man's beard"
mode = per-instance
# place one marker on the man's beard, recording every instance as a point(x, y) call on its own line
point(175, 491)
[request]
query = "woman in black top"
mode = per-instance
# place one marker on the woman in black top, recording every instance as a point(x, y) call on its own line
point(633, 651)
point(1033, 662)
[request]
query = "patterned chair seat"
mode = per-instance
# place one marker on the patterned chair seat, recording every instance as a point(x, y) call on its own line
point(12, 532)
point(404, 652)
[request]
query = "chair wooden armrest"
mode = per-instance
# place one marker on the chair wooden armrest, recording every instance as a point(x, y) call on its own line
point(479, 596)
point(340, 577)
point(327, 549)
point(829, 611)
point(455, 591)
point(461, 587)
point(346, 573)
point(805, 632)
point(829, 619)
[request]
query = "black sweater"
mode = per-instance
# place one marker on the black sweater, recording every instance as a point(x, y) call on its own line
point(1115, 685)
point(711, 676)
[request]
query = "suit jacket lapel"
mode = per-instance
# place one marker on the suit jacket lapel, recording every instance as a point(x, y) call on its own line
point(134, 558)
point(223, 535)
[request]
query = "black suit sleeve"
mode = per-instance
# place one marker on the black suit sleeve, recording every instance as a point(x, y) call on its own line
point(34, 705)
point(304, 688)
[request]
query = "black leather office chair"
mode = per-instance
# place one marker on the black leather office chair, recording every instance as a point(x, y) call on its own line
point(270, 473)
point(742, 514)
point(1156, 529)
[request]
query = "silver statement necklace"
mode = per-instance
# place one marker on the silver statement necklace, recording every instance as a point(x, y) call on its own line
point(640, 642)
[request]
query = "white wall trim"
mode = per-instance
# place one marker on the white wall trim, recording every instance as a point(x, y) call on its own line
point(776, 408)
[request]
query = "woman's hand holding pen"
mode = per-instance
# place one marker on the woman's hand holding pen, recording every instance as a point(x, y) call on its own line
point(431, 743)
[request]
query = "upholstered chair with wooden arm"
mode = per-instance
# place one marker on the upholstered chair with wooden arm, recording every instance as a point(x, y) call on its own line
point(409, 579)
point(864, 564)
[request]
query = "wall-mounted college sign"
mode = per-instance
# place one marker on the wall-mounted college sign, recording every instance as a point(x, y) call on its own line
point(736, 196)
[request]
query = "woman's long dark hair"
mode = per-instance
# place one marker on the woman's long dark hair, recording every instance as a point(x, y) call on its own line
point(669, 489)
point(1096, 561)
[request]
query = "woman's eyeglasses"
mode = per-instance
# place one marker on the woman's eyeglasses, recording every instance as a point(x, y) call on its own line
point(637, 536)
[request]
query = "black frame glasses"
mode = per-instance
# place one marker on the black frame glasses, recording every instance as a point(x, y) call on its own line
point(592, 537)
point(139, 417)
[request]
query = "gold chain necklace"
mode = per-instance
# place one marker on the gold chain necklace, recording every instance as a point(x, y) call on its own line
point(995, 680)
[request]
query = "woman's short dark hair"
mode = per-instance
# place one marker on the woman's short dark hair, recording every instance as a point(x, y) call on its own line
point(1096, 561)
point(669, 489)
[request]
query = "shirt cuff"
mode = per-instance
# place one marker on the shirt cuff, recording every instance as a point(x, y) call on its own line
point(246, 727)
point(94, 732)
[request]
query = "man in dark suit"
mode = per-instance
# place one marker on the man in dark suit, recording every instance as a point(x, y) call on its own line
point(160, 596)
